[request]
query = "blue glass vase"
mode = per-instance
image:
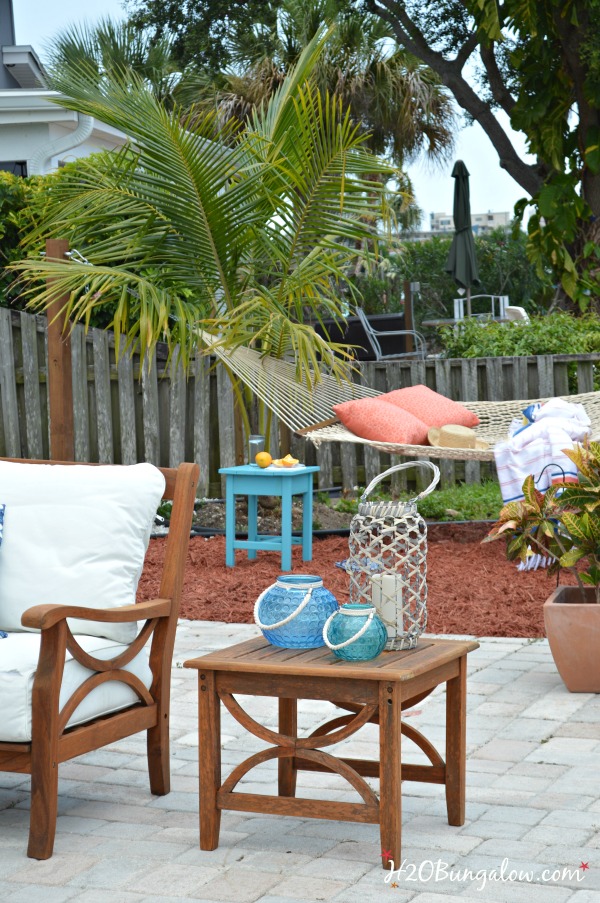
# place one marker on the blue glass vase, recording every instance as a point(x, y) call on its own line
point(293, 612)
point(355, 633)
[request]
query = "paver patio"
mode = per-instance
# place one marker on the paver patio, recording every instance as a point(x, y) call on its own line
point(533, 799)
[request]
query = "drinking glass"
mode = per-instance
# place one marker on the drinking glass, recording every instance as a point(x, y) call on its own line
point(256, 444)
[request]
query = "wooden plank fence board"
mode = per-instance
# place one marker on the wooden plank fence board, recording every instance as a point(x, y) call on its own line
point(561, 378)
point(8, 387)
point(442, 381)
point(418, 377)
point(103, 402)
point(201, 373)
point(274, 448)
point(31, 386)
point(150, 409)
point(177, 410)
point(495, 379)
point(545, 371)
point(585, 376)
point(348, 465)
point(127, 407)
point(226, 421)
point(81, 414)
point(470, 392)
point(371, 456)
point(395, 380)
point(520, 377)
point(325, 462)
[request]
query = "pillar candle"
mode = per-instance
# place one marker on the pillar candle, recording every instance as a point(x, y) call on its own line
point(387, 599)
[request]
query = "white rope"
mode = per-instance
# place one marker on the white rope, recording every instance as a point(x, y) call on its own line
point(276, 383)
point(334, 646)
point(295, 613)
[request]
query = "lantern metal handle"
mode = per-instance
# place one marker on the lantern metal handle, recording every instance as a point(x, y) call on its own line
point(435, 479)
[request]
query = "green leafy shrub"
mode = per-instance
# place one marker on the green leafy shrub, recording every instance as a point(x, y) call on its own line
point(472, 501)
point(556, 333)
point(562, 524)
point(503, 268)
point(16, 198)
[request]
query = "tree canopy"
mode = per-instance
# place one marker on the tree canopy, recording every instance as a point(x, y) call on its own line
point(397, 102)
point(200, 28)
point(188, 227)
point(538, 62)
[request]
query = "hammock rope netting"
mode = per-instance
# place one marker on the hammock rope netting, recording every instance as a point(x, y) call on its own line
point(310, 411)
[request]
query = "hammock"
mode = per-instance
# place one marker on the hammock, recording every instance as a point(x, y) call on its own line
point(494, 420)
point(310, 413)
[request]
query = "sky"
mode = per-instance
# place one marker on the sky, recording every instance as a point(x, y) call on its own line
point(37, 21)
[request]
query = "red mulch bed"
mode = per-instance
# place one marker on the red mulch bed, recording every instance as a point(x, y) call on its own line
point(473, 589)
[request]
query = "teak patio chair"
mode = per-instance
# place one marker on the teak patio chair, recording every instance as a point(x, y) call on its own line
point(125, 679)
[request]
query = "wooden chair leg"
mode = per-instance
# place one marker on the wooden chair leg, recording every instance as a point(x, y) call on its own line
point(44, 742)
point(159, 769)
point(44, 804)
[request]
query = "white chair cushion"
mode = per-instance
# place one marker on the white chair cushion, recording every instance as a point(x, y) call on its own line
point(19, 653)
point(75, 535)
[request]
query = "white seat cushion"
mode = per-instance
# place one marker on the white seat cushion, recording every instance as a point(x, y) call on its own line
point(19, 653)
point(75, 535)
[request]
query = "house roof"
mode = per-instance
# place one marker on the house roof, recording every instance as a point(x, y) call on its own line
point(24, 66)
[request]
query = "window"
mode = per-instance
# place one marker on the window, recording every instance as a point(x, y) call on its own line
point(17, 167)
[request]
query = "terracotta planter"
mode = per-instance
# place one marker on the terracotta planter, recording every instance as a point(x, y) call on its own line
point(573, 631)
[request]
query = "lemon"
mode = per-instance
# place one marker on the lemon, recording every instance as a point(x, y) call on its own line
point(263, 459)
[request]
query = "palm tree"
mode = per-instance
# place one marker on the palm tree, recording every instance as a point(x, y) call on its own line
point(398, 103)
point(234, 234)
point(114, 48)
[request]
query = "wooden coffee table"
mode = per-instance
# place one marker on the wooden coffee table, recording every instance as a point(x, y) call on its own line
point(375, 691)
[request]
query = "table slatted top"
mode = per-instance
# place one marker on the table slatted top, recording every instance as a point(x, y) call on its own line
point(259, 656)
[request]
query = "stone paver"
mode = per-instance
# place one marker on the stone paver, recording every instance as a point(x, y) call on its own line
point(533, 804)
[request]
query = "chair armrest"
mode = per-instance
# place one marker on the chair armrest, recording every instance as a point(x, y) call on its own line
point(44, 616)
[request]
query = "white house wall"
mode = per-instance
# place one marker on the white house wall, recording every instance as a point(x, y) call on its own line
point(19, 142)
point(34, 129)
point(97, 141)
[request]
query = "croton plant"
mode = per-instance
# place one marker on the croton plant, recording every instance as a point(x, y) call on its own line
point(563, 523)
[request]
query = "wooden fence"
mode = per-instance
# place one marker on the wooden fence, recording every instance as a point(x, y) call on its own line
point(122, 415)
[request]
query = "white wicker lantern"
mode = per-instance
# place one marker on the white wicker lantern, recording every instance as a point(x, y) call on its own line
point(388, 560)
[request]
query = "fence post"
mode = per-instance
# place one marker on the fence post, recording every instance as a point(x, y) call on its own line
point(60, 383)
point(408, 315)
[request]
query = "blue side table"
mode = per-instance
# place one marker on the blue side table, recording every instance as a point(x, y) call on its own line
point(252, 480)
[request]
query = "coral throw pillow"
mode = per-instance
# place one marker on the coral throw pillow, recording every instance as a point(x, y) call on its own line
point(378, 420)
point(431, 407)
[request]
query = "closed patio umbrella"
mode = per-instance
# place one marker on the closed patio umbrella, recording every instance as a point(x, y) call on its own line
point(462, 259)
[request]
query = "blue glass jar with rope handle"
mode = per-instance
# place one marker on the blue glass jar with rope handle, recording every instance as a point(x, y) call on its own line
point(292, 612)
point(355, 633)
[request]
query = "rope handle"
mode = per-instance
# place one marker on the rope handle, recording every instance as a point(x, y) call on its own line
point(357, 636)
point(291, 616)
point(434, 481)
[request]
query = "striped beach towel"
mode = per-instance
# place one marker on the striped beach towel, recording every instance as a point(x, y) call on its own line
point(538, 449)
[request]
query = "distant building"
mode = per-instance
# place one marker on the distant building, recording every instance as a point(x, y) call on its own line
point(441, 223)
point(36, 135)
